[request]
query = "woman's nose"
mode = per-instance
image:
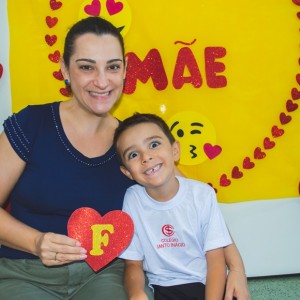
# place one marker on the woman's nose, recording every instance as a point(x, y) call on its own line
point(101, 80)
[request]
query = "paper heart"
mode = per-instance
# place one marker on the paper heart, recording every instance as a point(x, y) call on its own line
point(236, 173)
point(50, 39)
point(212, 151)
point(224, 181)
point(93, 9)
point(295, 94)
point(247, 163)
point(284, 119)
point(65, 92)
point(277, 132)
point(259, 154)
point(291, 106)
point(104, 237)
point(51, 22)
point(113, 7)
point(55, 4)
point(1, 70)
point(54, 57)
point(297, 2)
point(58, 75)
point(268, 144)
point(298, 78)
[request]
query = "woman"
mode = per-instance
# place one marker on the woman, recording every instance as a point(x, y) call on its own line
point(57, 157)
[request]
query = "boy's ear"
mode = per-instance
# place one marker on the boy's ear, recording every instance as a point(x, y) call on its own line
point(126, 172)
point(176, 151)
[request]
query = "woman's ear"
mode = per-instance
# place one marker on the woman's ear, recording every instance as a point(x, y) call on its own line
point(64, 69)
point(126, 172)
point(176, 150)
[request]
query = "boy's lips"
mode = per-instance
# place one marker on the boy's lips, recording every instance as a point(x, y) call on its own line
point(153, 169)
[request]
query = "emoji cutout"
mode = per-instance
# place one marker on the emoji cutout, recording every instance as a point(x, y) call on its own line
point(196, 135)
point(104, 238)
point(117, 12)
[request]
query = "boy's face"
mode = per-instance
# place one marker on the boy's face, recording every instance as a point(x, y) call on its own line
point(148, 155)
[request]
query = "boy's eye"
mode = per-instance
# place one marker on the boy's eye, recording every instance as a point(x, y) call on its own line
point(132, 155)
point(154, 144)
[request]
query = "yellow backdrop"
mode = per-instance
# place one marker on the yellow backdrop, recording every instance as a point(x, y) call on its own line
point(223, 74)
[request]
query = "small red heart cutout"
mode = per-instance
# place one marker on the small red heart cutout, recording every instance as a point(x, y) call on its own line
point(50, 39)
point(291, 106)
point(259, 154)
point(224, 181)
point(113, 7)
point(55, 4)
point(236, 173)
point(51, 22)
point(54, 57)
point(295, 94)
point(58, 75)
point(1, 70)
point(247, 163)
point(284, 119)
point(93, 9)
point(104, 237)
point(268, 144)
point(212, 151)
point(65, 92)
point(277, 132)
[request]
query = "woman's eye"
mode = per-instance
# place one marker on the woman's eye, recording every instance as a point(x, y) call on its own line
point(86, 67)
point(154, 144)
point(114, 67)
point(132, 155)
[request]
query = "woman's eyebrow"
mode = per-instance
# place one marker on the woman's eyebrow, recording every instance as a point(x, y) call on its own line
point(93, 61)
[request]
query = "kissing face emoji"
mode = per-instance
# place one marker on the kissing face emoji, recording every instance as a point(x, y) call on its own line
point(196, 135)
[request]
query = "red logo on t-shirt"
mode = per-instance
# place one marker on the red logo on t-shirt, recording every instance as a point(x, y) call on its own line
point(168, 230)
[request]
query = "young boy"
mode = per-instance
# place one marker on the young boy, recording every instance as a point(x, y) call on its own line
point(179, 231)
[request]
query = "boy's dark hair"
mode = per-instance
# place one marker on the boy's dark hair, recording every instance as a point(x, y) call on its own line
point(138, 118)
point(94, 25)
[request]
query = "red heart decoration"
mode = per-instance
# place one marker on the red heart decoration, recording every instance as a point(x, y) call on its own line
point(236, 173)
point(58, 75)
point(284, 119)
point(295, 94)
point(93, 9)
point(50, 39)
point(247, 163)
point(113, 7)
point(55, 4)
point(297, 2)
point(65, 92)
point(291, 106)
point(258, 154)
point(1, 70)
point(104, 238)
point(224, 181)
point(54, 57)
point(268, 144)
point(298, 78)
point(276, 132)
point(51, 22)
point(212, 151)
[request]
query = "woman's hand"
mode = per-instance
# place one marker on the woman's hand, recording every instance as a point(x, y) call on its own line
point(56, 249)
point(236, 286)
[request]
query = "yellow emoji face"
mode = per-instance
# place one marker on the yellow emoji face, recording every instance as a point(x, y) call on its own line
point(196, 135)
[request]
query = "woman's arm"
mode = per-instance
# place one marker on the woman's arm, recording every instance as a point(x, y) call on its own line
point(53, 249)
point(216, 275)
point(134, 280)
point(236, 285)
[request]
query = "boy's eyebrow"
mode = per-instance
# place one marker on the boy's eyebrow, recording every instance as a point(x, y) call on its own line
point(94, 61)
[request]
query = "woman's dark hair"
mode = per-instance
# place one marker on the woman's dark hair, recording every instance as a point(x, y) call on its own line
point(138, 118)
point(95, 25)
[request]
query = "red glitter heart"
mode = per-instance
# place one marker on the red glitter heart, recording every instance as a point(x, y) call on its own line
point(212, 151)
point(277, 132)
point(209, 183)
point(113, 7)
point(297, 2)
point(51, 22)
point(54, 57)
point(104, 238)
point(268, 144)
point(291, 106)
point(50, 39)
point(224, 181)
point(58, 75)
point(284, 119)
point(93, 9)
point(298, 78)
point(247, 163)
point(236, 173)
point(55, 4)
point(298, 15)
point(65, 92)
point(1, 70)
point(295, 94)
point(259, 154)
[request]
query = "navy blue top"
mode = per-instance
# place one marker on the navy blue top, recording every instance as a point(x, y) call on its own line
point(57, 178)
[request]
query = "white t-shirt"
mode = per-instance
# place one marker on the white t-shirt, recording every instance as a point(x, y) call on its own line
point(172, 237)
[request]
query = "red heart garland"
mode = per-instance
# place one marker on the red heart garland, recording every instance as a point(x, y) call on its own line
point(276, 132)
point(51, 22)
point(113, 7)
point(50, 39)
point(54, 57)
point(291, 106)
point(284, 119)
point(259, 154)
point(268, 144)
point(295, 94)
point(212, 151)
point(236, 173)
point(224, 181)
point(1, 70)
point(247, 163)
point(104, 238)
point(55, 4)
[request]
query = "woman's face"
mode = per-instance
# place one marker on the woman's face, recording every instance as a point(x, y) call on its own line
point(96, 72)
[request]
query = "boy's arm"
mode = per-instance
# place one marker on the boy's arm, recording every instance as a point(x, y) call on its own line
point(134, 280)
point(216, 274)
point(237, 281)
